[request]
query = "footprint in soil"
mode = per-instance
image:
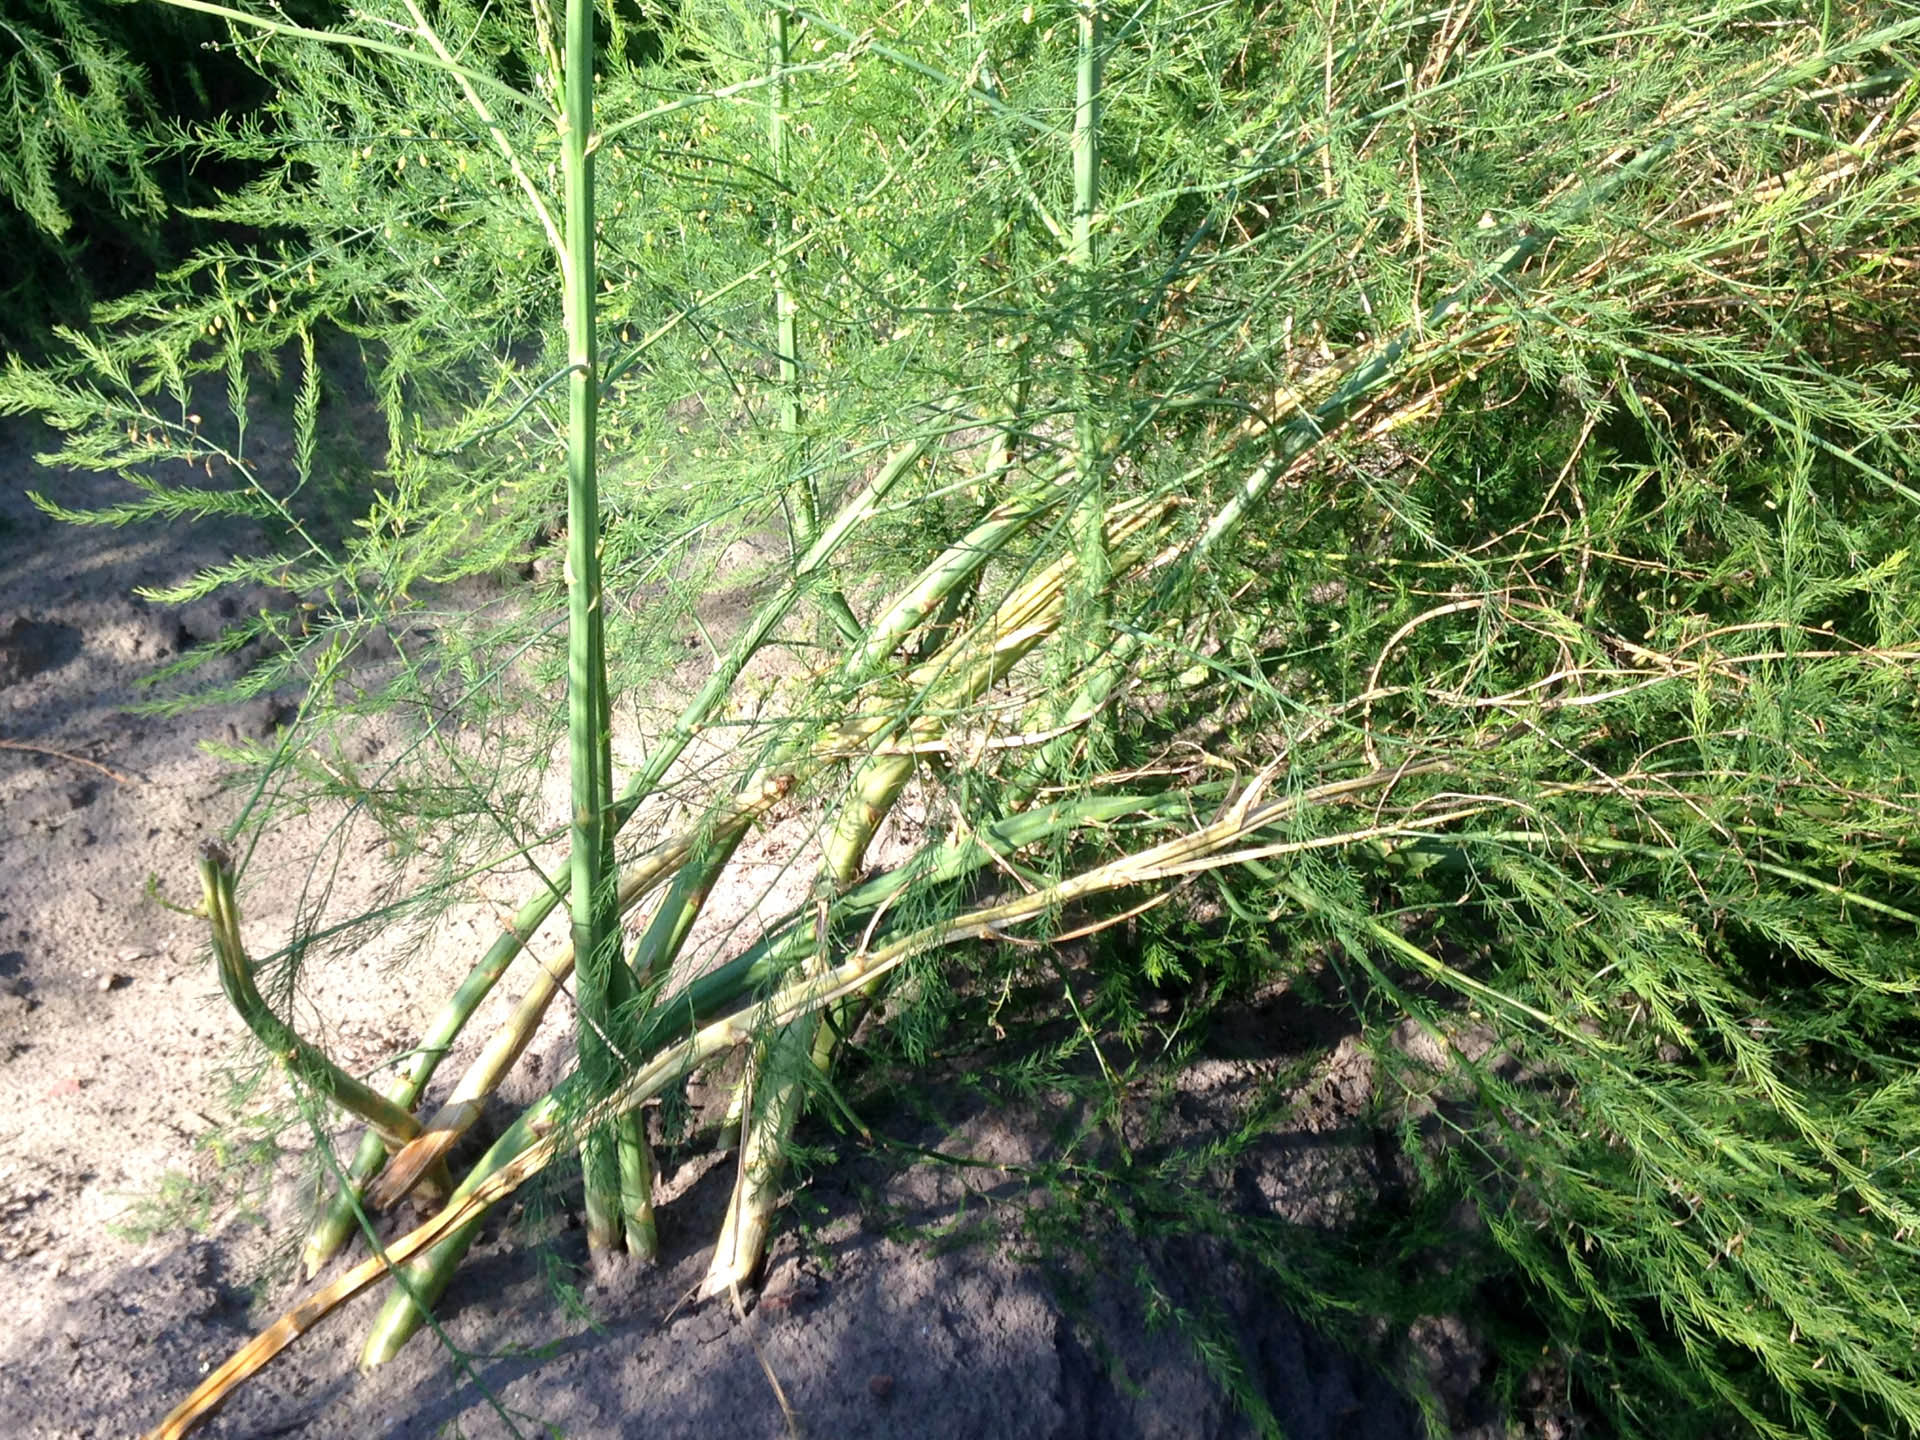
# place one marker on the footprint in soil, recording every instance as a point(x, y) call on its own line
point(33, 647)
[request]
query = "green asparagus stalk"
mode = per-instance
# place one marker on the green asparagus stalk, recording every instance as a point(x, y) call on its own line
point(337, 1220)
point(1092, 584)
point(775, 1084)
point(676, 1020)
point(393, 1125)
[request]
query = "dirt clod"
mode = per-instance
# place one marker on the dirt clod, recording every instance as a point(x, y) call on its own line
point(31, 647)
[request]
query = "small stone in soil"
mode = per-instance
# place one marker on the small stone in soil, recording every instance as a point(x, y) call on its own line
point(881, 1386)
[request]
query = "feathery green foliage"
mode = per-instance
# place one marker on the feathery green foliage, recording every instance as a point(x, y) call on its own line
point(1485, 433)
point(70, 103)
point(94, 98)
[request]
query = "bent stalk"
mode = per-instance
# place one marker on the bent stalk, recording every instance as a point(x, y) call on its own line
point(393, 1125)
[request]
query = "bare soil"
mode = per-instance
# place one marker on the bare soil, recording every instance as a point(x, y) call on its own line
point(116, 1051)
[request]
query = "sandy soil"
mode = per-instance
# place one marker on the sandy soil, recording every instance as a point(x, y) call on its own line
point(115, 1049)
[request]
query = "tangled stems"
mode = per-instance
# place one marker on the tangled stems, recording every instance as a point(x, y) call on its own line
point(1431, 403)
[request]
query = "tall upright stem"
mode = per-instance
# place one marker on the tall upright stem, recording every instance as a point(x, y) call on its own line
point(1082, 257)
point(786, 317)
point(618, 1182)
point(785, 314)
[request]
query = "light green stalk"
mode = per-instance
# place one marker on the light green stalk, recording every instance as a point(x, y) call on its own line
point(392, 1124)
point(949, 570)
point(770, 1098)
point(659, 946)
point(765, 622)
point(926, 595)
point(675, 1018)
point(774, 1088)
point(617, 1209)
point(775, 1085)
point(786, 315)
point(337, 1220)
point(1082, 259)
point(679, 908)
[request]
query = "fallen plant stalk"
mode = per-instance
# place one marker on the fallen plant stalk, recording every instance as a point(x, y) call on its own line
point(24, 748)
point(806, 996)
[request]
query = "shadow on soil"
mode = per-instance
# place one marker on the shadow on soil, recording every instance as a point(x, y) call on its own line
point(890, 1307)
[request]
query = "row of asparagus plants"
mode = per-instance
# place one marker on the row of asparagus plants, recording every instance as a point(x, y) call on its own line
point(1382, 424)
